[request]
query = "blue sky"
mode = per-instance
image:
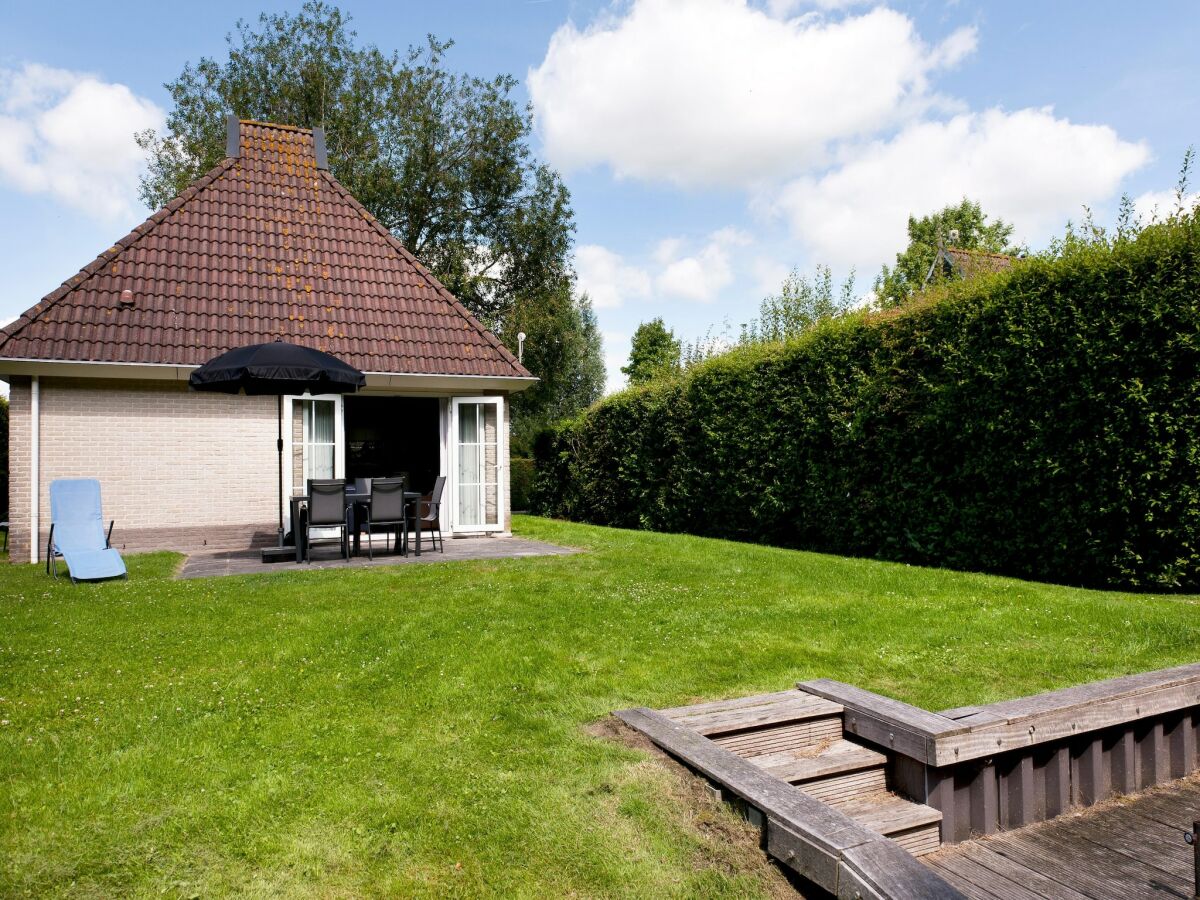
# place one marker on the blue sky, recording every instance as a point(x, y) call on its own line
point(710, 145)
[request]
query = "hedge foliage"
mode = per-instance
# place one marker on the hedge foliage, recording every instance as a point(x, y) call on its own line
point(520, 482)
point(1042, 423)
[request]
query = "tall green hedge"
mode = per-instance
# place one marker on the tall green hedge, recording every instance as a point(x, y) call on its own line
point(1043, 423)
point(520, 482)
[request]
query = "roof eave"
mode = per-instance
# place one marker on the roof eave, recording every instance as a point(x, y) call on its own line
point(419, 382)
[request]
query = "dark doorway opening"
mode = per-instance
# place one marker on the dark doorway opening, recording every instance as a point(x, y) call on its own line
point(390, 436)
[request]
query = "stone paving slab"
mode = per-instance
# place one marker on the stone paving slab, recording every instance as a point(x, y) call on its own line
point(249, 562)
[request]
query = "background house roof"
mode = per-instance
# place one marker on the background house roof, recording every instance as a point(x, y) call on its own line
point(969, 263)
point(268, 244)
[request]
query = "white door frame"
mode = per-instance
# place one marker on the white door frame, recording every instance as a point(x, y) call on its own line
point(339, 447)
point(451, 498)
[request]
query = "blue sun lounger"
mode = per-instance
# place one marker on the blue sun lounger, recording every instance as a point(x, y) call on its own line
point(77, 532)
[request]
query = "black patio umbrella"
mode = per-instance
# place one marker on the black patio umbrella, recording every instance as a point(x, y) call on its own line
point(277, 368)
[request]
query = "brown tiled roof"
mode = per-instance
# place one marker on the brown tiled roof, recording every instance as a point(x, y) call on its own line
point(969, 263)
point(265, 245)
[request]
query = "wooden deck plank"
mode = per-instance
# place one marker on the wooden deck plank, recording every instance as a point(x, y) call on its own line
point(798, 707)
point(1090, 707)
point(797, 735)
point(1124, 850)
point(1177, 809)
point(1036, 857)
point(1116, 867)
point(883, 721)
point(1006, 869)
point(967, 733)
point(887, 813)
point(1130, 873)
point(839, 757)
point(1125, 687)
point(843, 787)
point(981, 882)
point(1119, 836)
point(744, 702)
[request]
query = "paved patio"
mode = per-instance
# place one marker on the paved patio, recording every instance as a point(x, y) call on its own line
point(249, 561)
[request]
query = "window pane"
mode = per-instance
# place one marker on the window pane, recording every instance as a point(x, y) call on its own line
point(320, 461)
point(468, 504)
point(468, 464)
point(322, 421)
point(468, 423)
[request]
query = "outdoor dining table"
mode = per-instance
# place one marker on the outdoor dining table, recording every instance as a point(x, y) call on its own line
point(354, 500)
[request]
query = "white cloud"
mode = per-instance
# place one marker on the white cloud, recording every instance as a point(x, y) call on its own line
point(675, 273)
point(781, 9)
point(769, 275)
point(607, 279)
point(1027, 167)
point(704, 92)
point(70, 135)
point(702, 275)
point(1161, 204)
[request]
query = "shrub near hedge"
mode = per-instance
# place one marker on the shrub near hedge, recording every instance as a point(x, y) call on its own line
point(1042, 423)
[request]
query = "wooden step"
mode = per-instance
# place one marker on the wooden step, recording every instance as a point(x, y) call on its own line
point(837, 757)
point(835, 771)
point(841, 788)
point(777, 738)
point(752, 713)
point(915, 827)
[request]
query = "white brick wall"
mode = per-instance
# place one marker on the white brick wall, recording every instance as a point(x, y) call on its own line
point(167, 458)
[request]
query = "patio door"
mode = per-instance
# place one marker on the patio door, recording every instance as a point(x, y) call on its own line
point(477, 457)
point(313, 443)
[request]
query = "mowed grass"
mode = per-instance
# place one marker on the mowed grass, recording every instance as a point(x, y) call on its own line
point(423, 730)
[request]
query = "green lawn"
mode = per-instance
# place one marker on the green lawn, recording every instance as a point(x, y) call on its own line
point(423, 729)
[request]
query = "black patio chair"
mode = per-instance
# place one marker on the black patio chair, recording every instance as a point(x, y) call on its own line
point(387, 508)
point(327, 509)
point(429, 511)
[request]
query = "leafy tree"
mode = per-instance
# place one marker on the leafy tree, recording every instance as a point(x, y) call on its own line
point(1088, 233)
point(562, 343)
point(800, 304)
point(896, 285)
point(655, 352)
point(440, 158)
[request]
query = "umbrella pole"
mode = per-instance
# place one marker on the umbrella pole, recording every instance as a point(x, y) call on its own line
point(279, 450)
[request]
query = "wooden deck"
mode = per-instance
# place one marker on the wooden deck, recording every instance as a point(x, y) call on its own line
point(821, 800)
point(249, 562)
point(1123, 849)
point(1082, 793)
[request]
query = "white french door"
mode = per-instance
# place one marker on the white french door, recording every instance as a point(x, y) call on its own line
point(313, 443)
point(478, 449)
